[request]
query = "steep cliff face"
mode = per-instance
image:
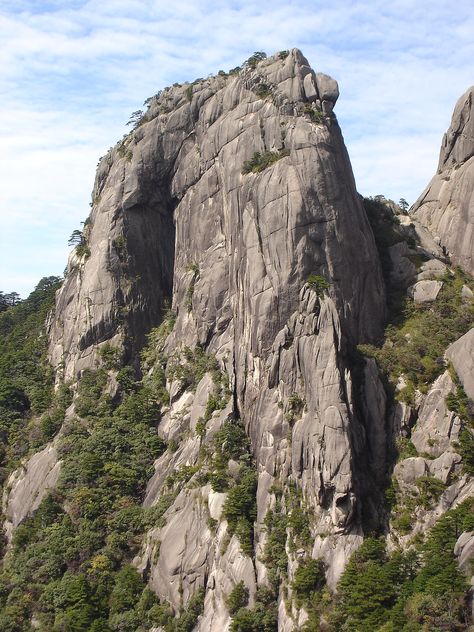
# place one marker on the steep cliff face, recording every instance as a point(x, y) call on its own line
point(446, 207)
point(176, 217)
point(254, 235)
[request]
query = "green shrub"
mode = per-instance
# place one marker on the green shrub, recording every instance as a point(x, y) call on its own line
point(240, 508)
point(216, 401)
point(430, 489)
point(261, 161)
point(367, 589)
point(263, 90)
point(275, 556)
point(189, 618)
point(317, 116)
point(465, 447)
point(403, 521)
point(111, 357)
point(127, 589)
point(459, 402)
point(406, 590)
point(405, 448)
point(309, 578)
point(318, 283)
point(254, 59)
point(261, 618)
point(120, 245)
point(415, 345)
point(83, 250)
point(124, 151)
point(26, 379)
point(190, 366)
point(74, 568)
point(230, 442)
point(238, 598)
point(91, 399)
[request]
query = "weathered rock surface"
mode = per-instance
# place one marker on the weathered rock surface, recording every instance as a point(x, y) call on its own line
point(461, 354)
point(432, 269)
point(446, 207)
point(436, 427)
point(27, 486)
point(464, 549)
point(258, 233)
point(174, 217)
point(425, 291)
point(403, 270)
point(275, 273)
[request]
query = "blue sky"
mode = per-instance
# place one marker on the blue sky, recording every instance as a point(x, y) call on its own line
point(72, 72)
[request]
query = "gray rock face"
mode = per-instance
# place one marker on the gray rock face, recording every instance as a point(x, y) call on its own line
point(458, 142)
point(274, 272)
point(464, 549)
point(27, 486)
point(461, 354)
point(175, 218)
point(432, 269)
point(446, 207)
point(425, 291)
point(403, 270)
point(256, 234)
point(327, 88)
point(437, 426)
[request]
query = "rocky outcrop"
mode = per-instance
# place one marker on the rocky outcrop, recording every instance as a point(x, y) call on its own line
point(425, 291)
point(446, 207)
point(464, 549)
point(27, 486)
point(436, 426)
point(461, 354)
point(258, 234)
point(272, 270)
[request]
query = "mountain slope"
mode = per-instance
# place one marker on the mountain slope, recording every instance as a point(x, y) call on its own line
point(238, 409)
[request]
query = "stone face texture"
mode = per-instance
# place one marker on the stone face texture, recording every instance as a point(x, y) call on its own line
point(403, 270)
point(255, 237)
point(425, 291)
point(437, 426)
point(464, 549)
point(432, 269)
point(254, 240)
point(174, 218)
point(327, 88)
point(446, 207)
point(28, 485)
point(461, 354)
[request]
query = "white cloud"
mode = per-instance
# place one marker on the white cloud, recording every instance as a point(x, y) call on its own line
point(71, 72)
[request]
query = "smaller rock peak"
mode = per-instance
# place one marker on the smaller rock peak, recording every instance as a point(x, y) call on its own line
point(299, 57)
point(328, 88)
point(458, 142)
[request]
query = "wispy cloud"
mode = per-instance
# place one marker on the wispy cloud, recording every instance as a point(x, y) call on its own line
point(71, 72)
